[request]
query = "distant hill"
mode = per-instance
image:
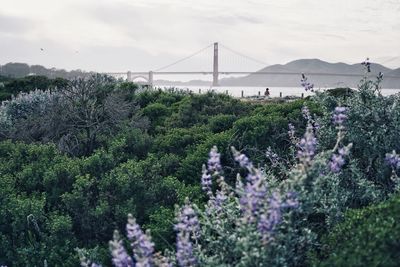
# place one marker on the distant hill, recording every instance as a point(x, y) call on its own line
point(19, 70)
point(281, 75)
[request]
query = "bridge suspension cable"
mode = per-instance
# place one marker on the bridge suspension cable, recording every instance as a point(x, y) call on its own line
point(264, 64)
point(185, 58)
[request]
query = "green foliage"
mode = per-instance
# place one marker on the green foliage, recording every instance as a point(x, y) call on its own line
point(29, 83)
point(144, 154)
point(373, 127)
point(341, 92)
point(367, 237)
point(222, 122)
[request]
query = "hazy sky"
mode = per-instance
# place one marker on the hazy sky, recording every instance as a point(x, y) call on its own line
point(140, 35)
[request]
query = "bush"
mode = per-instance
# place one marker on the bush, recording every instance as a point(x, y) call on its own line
point(223, 122)
point(367, 237)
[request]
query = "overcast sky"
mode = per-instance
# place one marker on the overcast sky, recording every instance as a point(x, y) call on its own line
point(142, 35)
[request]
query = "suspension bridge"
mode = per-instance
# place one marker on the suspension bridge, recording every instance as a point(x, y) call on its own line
point(148, 76)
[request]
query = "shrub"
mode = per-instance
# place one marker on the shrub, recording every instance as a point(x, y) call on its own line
point(367, 237)
point(220, 123)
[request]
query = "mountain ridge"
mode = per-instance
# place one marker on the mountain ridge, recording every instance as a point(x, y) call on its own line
point(316, 66)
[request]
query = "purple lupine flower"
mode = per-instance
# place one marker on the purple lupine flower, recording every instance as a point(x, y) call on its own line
point(253, 196)
point(242, 159)
point(337, 160)
point(336, 163)
point(220, 198)
point(206, 181)
point(251, 200)
point(306, 113)
point(188, 221)
point(268, 222)
point(393, 160)
point(254, 192)
point(339, 116)
point(291, 201)
point(119, 256)
point(184, 251)
point(367, 64)
point(214, 161)
point(305, 84)
point(307, 146)
point(187, 226)
point(142, 246)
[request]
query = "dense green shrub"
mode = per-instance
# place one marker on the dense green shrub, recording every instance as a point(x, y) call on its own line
point(222, 122)
point(367, 237)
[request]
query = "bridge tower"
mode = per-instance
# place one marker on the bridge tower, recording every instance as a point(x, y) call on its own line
point(215, 66)
point(151, 80)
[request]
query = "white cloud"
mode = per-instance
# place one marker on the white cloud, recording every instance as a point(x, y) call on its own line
point(146, 34)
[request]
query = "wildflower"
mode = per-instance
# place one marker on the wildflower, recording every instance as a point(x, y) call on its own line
point(242, 159)
point(367, 64)
point(306, 113)
point(184, 251)
point(206, 182)
point(393, 160)
point(305, 84)
point(252, 199)
point(188, 226)
point(339, 116)
point(214, 161)
point(307, 146)
point(337, 160)
point(188, 221)
point(142, 246)
point(269, 220)
point(119, 256)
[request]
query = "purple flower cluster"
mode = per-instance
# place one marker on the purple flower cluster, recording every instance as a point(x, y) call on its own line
point(306, 113)
point(120, 257)
point(214, 168)
point(187, 228)
point(269, 220)
point(252, 199)
point(206, 181)
point(184, 251)
point(393, 160)
point(307, 146)
point(254, 192)
point(305, 84)
point(339, 116)
point(367, 64)
point(214, 161)
point(242, 159)
point(337, 160)
point(142, 246)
